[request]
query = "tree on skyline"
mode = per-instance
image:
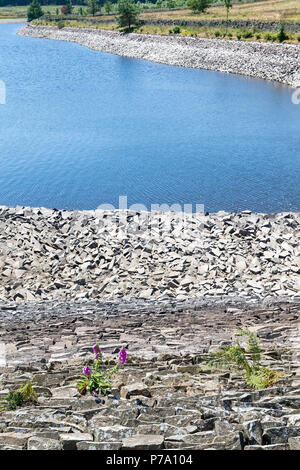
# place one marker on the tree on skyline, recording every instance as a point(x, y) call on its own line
point(128, 14)
point(34, 11)
point(228, 5)
point(199, 6)
point(93, 6)
point(108, 6)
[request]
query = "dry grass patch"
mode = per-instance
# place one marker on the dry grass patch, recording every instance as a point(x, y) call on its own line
point(270, 10)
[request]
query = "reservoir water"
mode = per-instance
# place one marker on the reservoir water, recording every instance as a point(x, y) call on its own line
point(81, 128)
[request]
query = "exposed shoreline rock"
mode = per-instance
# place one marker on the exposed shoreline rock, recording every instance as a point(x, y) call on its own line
point(277, 62)
point(48, 254)
point(164, 397)
point(169, 289)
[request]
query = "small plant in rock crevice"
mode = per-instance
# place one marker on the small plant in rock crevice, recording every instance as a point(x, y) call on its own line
point(97, 378)
point(248, 360)
point(24, 395)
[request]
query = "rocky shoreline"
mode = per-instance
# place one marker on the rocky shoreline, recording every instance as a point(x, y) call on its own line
point(170, 289)
point(48, 254)
point(276, 62)
point(164, 397)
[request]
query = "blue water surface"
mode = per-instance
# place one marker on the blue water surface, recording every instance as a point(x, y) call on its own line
point(81, 127)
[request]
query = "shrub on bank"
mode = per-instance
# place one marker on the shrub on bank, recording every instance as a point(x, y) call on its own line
point(281, 36)
point(199, 6)
point(247, 34)
point(175, 30)
point(268, 37)
point(64, 10)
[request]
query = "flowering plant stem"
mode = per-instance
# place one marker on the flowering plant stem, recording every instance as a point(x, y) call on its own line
point(98, 379)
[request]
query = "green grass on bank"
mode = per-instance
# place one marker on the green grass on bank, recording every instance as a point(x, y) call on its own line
point(221, 33)
point(201, 32)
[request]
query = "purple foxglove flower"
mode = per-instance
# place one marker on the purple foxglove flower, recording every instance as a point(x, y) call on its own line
point(123, 356)
point(86, 371)
point(96, 350)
